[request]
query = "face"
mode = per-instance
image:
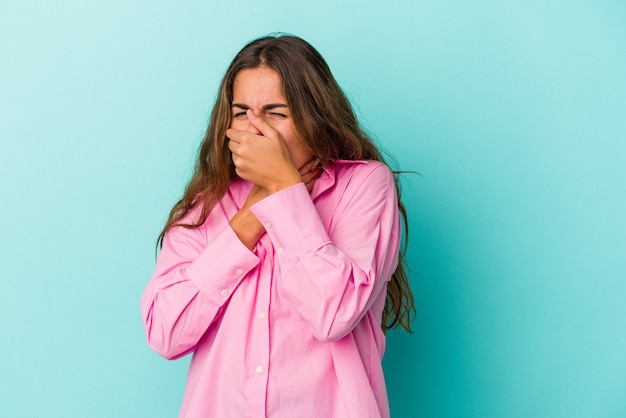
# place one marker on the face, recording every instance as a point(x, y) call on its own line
point(260, 89)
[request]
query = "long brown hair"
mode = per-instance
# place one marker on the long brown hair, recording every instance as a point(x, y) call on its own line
point(324, 120)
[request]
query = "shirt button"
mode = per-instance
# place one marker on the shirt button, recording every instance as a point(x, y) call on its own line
point(239, 272)
point(224, 292)
point(259, 369)
point(262, 315)
point(267, 225)
point(280, 251)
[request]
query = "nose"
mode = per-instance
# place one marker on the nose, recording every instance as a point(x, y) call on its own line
point(252, 129)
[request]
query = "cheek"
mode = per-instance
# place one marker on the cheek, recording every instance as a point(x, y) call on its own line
point(299, 152)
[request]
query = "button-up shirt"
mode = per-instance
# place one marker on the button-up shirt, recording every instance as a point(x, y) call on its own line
point(292, 328)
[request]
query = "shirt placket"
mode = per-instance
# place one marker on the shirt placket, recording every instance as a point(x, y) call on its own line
point(258, 352)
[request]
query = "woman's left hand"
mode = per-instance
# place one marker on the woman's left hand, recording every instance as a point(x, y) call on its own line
point(309, 172)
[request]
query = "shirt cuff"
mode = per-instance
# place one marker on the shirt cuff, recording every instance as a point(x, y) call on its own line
point(218, 270)
point(291, 221)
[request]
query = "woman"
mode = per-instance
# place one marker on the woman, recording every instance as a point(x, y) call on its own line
point(280, 267)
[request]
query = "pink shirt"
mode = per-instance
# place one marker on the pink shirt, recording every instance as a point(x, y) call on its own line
point(293, 328)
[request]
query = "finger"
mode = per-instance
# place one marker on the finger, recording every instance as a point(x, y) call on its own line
point(233, 146)
point(307, 173)
point(234, 134)
point(309, 166)
point(312, 175)
point(311, 182)
point(262, 125)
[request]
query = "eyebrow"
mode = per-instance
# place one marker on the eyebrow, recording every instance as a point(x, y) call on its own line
point(268, 106)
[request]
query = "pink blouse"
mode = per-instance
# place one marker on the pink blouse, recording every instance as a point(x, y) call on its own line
point(292, 328)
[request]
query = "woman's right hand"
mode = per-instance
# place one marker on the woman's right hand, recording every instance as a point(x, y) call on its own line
point(262, 157)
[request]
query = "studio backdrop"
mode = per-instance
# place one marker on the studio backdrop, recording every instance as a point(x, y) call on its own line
point(507, 118)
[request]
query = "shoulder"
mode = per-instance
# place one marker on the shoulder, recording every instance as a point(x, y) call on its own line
point(363, 180)
point(360, 172)
point(365, 186)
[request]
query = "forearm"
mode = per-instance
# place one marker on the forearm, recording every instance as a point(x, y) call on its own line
point(175, 315)
point(335, 284)
point(192, 282)
point(331, 280)
point(336, 265)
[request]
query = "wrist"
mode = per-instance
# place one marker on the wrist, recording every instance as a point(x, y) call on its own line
point(247, 227)
point(284, 183)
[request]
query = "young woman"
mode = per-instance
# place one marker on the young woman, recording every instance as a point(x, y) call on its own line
point(280, 268)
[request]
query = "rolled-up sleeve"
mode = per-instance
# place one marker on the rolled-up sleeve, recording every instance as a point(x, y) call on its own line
point(333, 273)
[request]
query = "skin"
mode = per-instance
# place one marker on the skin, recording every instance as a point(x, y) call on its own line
point(265, 147)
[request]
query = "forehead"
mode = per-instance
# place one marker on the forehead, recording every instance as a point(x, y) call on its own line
point(258, 86)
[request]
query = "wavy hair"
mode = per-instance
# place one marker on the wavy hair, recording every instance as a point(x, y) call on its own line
point(324, 120)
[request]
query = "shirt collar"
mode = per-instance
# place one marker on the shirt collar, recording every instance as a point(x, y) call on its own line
point(326, 181)
point(328, 177)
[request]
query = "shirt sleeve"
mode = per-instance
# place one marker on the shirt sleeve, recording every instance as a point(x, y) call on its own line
point(194, 278)
point(333, 278)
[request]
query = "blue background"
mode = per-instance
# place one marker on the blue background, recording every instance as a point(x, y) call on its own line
point(512, 112)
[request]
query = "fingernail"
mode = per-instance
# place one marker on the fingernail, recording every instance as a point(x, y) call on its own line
point(250, 114)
